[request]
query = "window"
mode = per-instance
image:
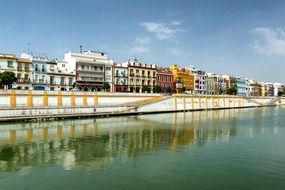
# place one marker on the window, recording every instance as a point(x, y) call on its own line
point(43, 68)
point(51, 79)
point(37, 67)
point(101, 68)
point(82, 67)
point(70, 81)
point(61, 80)
point(19, 77)
point(63, 65)
point(52, 67)
point(9, 63)
point(108, 68)
point(36, 78)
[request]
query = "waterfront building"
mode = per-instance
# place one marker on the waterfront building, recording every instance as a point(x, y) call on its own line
point(277, 87)
point(39, 70)
point(92, 69)
point(23, 74)
point(225, 83)
point(58, 76)
point(267, 89)
point(241, 85)
point(165, 79)
point(7, 63)
point(217, 87)
point(255, 88)
point(120, 77)
point(184, 80)
point(141, 75)
point(200, 81)
point(211, 82)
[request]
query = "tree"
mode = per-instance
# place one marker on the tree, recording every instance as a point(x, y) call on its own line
point(280, 93)
point(106, 86)
point(157, 89)
point(232, 90)
point(7, 78)
point(145, 88)
point(168, 89)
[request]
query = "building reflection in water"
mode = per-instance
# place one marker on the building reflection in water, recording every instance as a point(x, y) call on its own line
point(92, 144)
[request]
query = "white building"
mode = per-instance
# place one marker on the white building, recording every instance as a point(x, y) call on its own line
point(58, 77)
point(120, 77)
point(8, 63)
point(92, 69)
point(277, 87)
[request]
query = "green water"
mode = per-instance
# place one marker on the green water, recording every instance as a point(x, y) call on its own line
point(227, 149)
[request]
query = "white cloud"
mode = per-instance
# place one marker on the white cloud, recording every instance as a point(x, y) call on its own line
point(162, 31)
point(269, 41)
point(139, 49)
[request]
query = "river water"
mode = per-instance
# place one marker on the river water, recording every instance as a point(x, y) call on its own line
point(226, 149)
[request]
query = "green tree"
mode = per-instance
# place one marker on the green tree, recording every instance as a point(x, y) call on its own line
point(145, 88)
point(232, 90)
point(168, 89)
point(7, 78)
point(157, 89)
point(106, 86)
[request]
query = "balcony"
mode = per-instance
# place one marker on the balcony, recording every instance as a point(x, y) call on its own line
point(23, 80)
point(40, 81)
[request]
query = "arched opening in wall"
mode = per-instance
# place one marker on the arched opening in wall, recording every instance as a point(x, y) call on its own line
point(85, 88)
point(62, 89)
point(92, 89)
point(39, 88)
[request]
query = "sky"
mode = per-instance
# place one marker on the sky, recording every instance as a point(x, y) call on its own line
point(244, 38)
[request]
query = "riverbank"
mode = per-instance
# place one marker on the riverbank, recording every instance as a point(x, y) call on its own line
point(51, 105)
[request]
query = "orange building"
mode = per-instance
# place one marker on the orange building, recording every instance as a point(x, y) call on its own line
point(183, 78)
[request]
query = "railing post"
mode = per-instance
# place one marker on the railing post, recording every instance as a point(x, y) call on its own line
point(45, 98)
point(59, 99)
point(72, 99)
point(12, 95)
point(30, 99)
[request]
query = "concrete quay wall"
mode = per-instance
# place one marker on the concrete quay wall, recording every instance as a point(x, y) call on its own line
point(25, 105)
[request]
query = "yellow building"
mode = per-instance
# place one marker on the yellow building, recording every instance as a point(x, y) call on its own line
point(183, 78)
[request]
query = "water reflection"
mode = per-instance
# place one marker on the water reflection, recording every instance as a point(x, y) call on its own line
point(91, 144)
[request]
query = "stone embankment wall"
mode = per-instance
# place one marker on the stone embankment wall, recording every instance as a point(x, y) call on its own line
point(20, 105)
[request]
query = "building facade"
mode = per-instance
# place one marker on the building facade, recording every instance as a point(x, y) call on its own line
point(183, 79)
point(255, 88)
point(39, 70)
point(59, 79)
point(92, 69)
point(200, 82)
point(120, 77)
point(211, 82)
point(141, 77)
point(241, 86)
point(7, 63)
point(277, 87)
point(24, 74)
point(165, 80)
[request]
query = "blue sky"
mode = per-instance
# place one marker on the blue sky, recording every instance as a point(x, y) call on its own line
point(239, 37)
